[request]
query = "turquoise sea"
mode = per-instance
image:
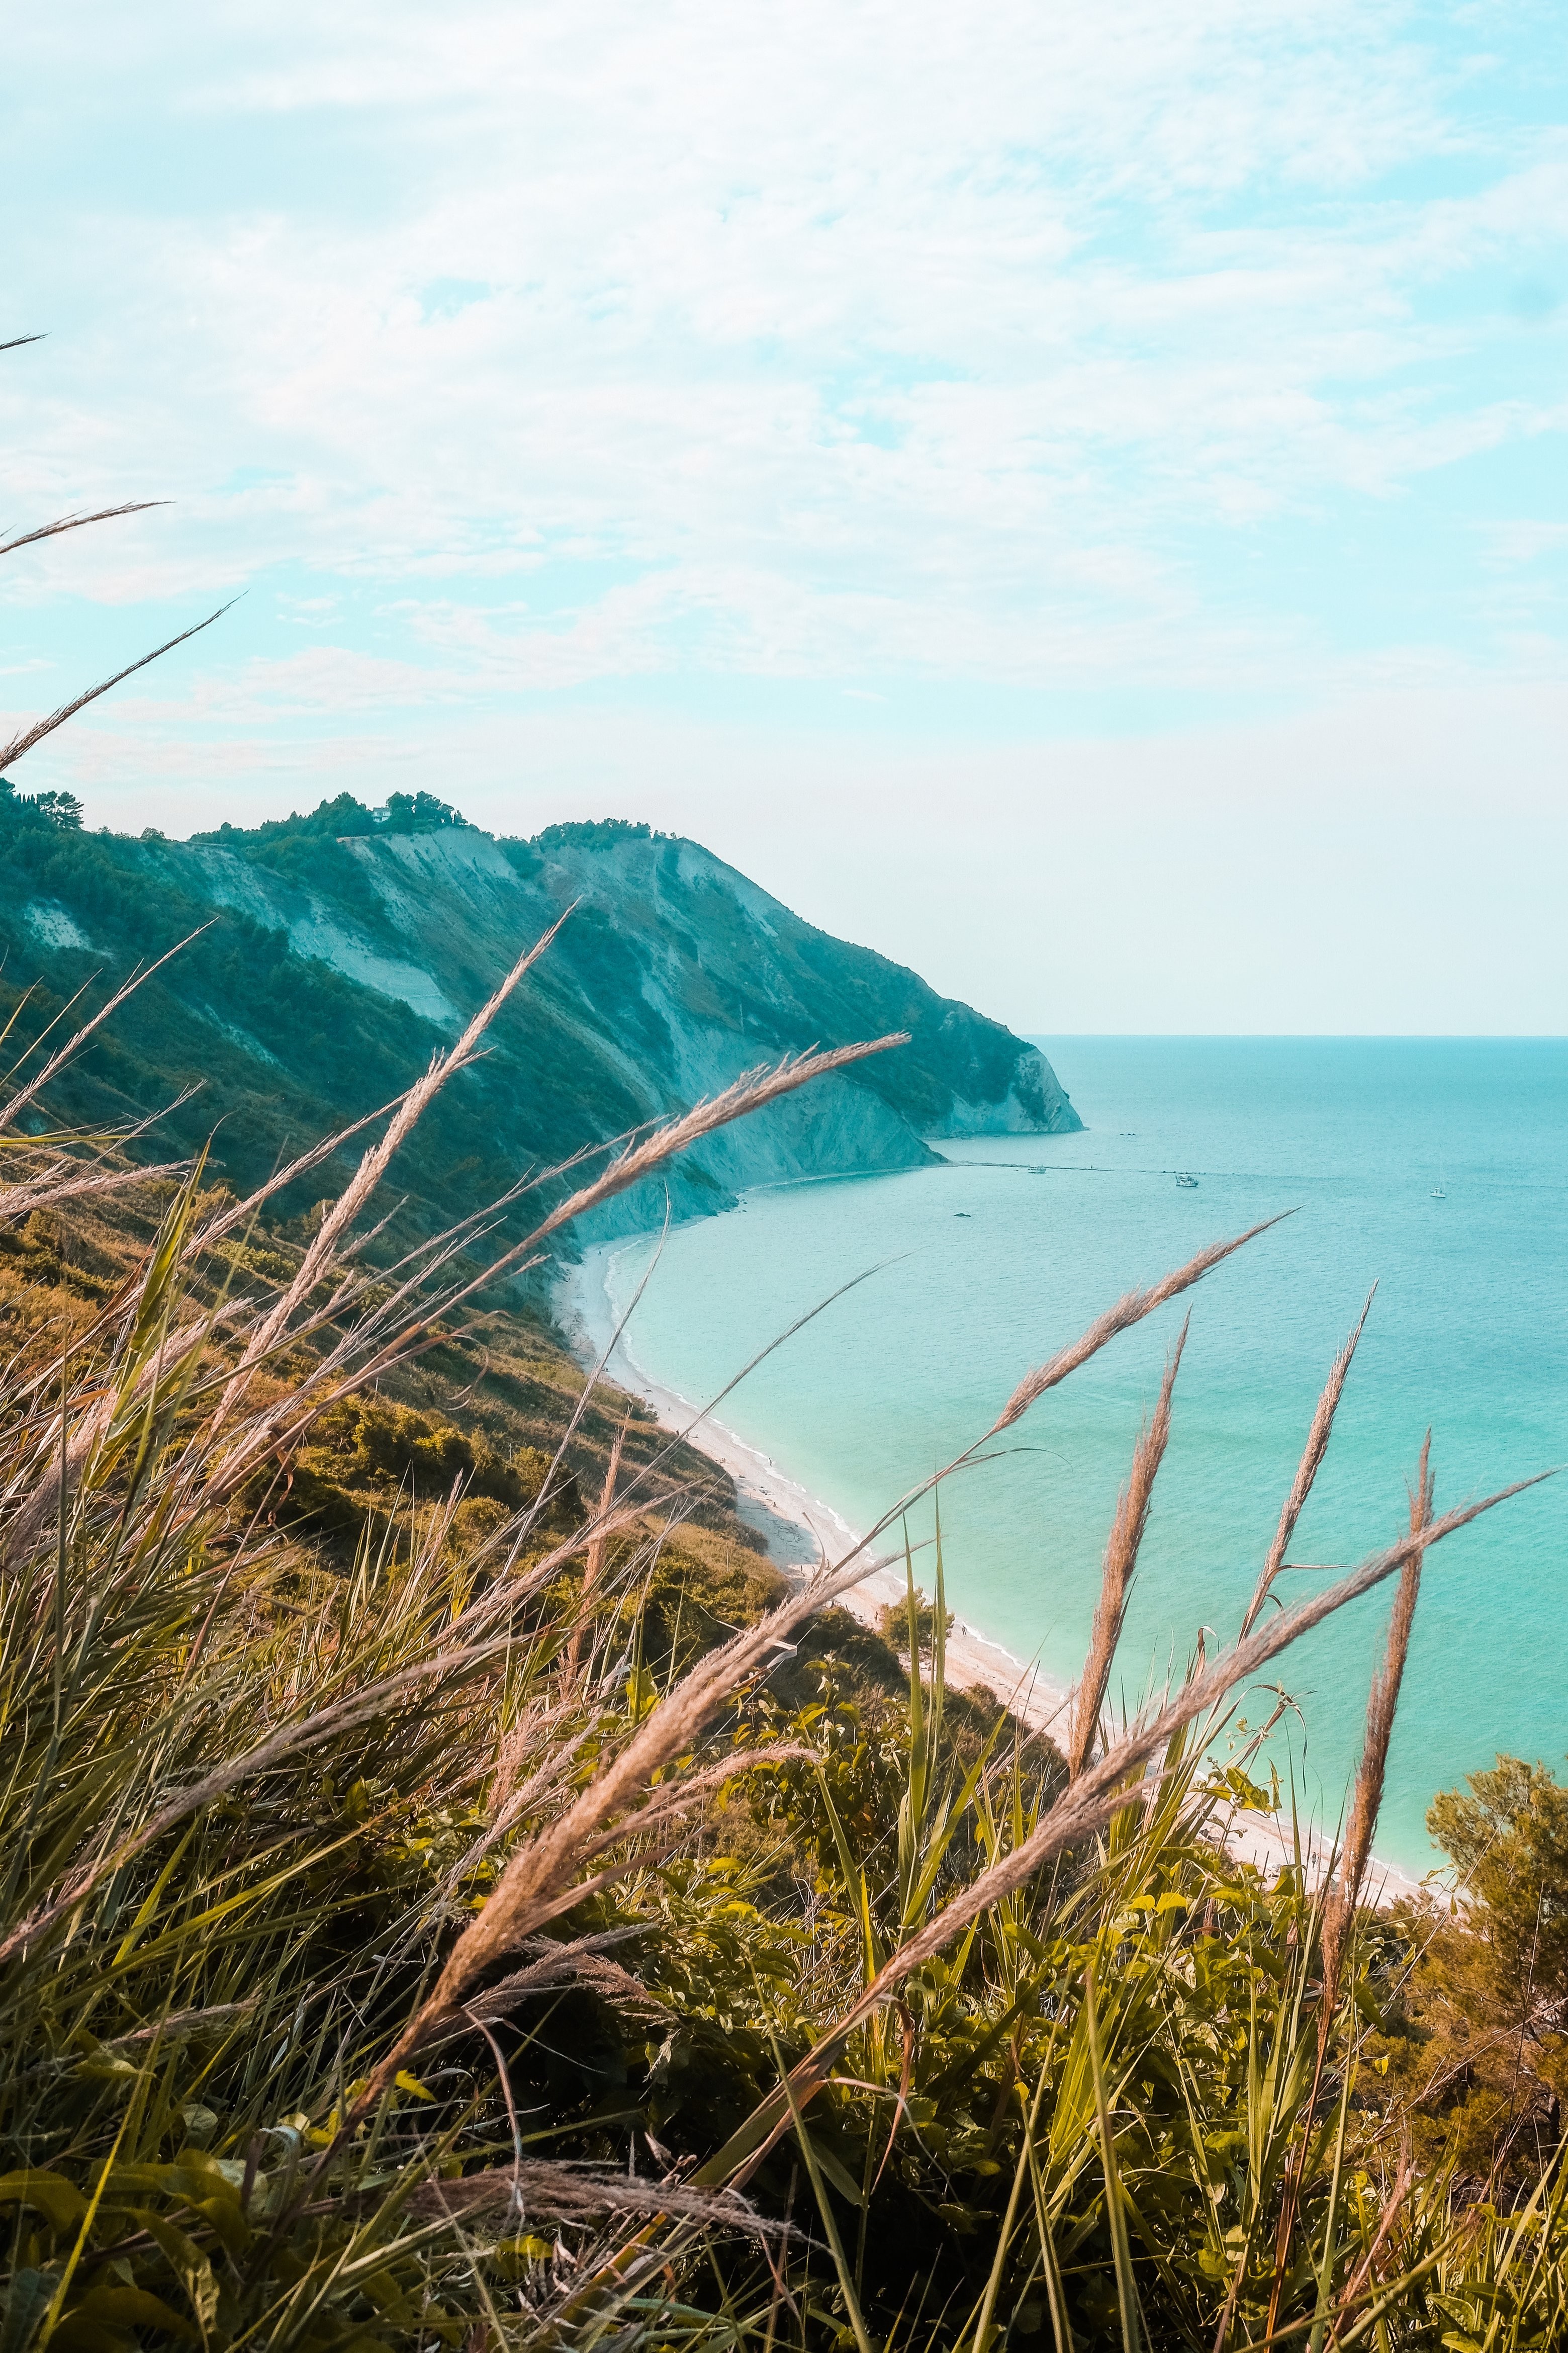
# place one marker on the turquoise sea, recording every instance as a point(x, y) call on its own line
point(986, 1267)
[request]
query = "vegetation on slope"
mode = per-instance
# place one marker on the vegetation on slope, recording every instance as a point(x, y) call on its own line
point(259, 1050)
point(453, 1895)
point(251, 1038)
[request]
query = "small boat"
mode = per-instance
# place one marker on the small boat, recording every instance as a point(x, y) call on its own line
point(1188, 1184)
point(1438, 1194)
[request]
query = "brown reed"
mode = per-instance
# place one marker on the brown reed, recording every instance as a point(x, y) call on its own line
point(13, 750)
point(1307, 1470)
point(1129, 1310)
point(1082, 1810)
point(1383, 1702)
point(1119, 1567)
point(372, 1168)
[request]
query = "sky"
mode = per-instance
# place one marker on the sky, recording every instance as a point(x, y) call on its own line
point(1074, 499)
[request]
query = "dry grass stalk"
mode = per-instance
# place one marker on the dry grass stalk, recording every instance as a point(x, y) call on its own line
point(673, 1799)
point(1082, 1810)
point(277, 1426)
point(593, 1564)
point(1127, 1312)
point(1119, 1567)
point(475, 1648)
point(541, 1882)
point(515, 1746)
point(34, 1511)
point(14, 1105)
point(20, 1200)
point(13, 750)
point(1383, 1702)
point(74, 522)
point(565, 2193)
point(370, 1172)
point(749, 1092)
point(1307, 1470)
point(239, 1213)
point(1130, 1310)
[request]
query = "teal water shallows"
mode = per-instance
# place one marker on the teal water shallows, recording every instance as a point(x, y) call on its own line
point(991, 1266)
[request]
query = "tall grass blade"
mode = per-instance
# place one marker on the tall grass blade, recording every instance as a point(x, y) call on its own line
point(1121, 1565)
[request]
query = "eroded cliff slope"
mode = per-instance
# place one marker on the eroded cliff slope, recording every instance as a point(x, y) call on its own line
point(343, 952)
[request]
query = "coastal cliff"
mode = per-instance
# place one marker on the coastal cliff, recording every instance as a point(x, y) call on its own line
point(342, 951)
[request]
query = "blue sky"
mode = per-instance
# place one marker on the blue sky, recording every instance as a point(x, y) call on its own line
point(1075, 498)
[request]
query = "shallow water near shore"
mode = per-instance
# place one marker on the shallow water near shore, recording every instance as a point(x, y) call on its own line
point(986, 1266)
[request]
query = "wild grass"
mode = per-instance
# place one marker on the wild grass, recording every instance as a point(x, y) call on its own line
point(488, 1933)
point(435, 1911)
point(418, 1946)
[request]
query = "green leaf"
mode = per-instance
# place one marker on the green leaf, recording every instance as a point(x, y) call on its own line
point(119, 2309)
point(50, 2193)
point(187, 2262)
point(27, 2302)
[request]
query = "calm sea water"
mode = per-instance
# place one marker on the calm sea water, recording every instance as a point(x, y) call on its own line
point(985, 1268)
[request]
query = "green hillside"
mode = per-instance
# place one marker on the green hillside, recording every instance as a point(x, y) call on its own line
point(336, 952)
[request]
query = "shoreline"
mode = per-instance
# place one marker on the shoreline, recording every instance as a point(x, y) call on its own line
point(801, 1530)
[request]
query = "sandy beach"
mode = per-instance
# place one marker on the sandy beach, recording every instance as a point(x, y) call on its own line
point(802, 1532)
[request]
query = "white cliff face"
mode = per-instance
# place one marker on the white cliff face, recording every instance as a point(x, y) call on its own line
point(316, 928)
point(1018, 1113)
point(54, 924)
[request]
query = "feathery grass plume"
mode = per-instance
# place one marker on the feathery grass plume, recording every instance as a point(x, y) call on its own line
point(13, 750)
point(747, 1093)
point(1129, 1310)
point(1121, 1565)
point(241, 1213)
point(19, 1201)
point(373, 1167)
point(1087, 1805)
point(1383, 1702)
point(593, 1562)
point(30, 736)
point(15, 1103)
point(540, 1881)
point(581, 2193)
point(1307, 1470)
point(279, 1424)
point(74, 521)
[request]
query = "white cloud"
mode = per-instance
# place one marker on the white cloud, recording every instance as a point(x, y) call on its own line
point(515, 350)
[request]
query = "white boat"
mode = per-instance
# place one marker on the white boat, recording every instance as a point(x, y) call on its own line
point(1438, 1194)
point(1188, 1184)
